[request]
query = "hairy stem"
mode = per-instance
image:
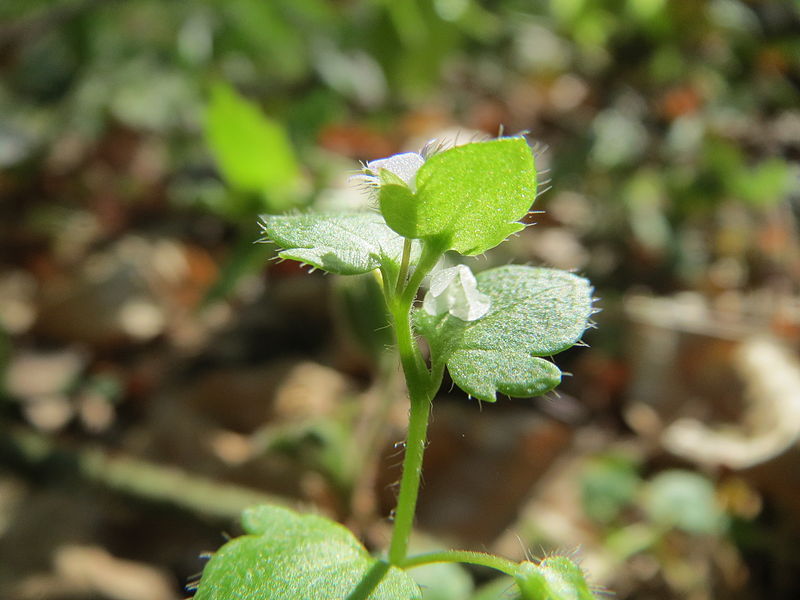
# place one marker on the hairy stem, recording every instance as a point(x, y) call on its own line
point(409, 482)
point(420, 392)
point(461, 556)
point(414, 368)
point(401, 278)
point(431, 253)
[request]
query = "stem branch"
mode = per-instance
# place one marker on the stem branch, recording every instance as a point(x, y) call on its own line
point(461, 556)
point(431, 253)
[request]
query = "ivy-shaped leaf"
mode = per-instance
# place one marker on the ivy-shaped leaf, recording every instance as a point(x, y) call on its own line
point(342, 243)
point(468, 198)
point(288, 555)
point(534, 312)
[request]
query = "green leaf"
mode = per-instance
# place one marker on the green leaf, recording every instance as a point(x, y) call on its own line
point(498, 589)
point(469, 198)
point(288, 555)
point(342, 243)
point(443, 581)
point(534, 312)
point(361, 307)
point(253, 152)
point(244, 257)
point(555, 578)
point(608, 484)
point(684, 500)
point(765, 184)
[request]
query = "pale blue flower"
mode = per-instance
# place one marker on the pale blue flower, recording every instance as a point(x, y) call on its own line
point(455, 291)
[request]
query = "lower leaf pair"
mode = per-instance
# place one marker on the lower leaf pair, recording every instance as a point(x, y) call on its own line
point(286, 555)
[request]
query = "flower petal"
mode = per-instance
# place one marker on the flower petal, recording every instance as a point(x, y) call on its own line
point(404, 165)
point(455, 290)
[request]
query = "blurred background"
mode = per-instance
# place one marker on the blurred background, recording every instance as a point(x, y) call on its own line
point(158, 372)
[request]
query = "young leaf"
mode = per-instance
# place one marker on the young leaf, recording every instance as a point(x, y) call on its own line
point(468, 198)
point(533, 312)
point(345, 243)
point(288, 555)
point(252, 151)
point(555, 578)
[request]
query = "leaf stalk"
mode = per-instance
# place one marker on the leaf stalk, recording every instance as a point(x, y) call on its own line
point(461, 556)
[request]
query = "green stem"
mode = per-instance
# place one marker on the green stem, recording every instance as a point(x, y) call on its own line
point(414, 369)
point(431, 253)
point(409, 482)
point(420, 391)
point(370, 581)
point(461, 556)
point(401, 277)
point(418, 378)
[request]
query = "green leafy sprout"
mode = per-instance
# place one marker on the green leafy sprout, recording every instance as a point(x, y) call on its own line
point(492, 332)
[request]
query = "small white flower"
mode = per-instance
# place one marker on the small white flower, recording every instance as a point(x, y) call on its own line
point(455, 290)
point(404, 165)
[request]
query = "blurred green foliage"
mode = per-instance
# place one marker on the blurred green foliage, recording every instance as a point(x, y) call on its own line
point(609, 484)
point(673, 129)
point(639, 515)
point(658, 113)
point(359, 301)
point(253, 153)
point(443, 581)
point(684, 500)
